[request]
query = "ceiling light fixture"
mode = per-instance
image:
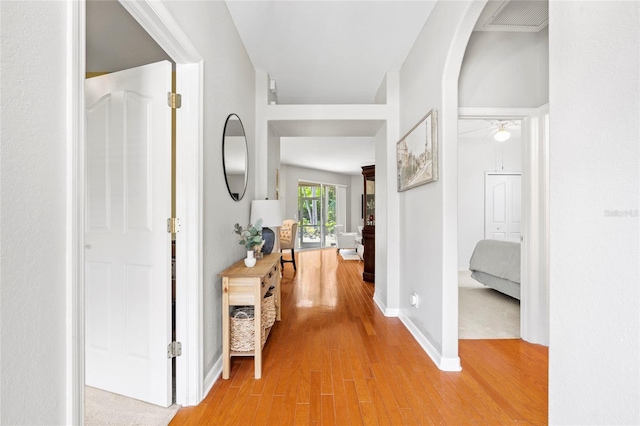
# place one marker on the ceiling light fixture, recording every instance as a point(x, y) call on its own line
point(502, 134)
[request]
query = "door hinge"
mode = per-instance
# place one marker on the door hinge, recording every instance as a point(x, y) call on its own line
point(173, 225)
point(174, 349)
point(174, 100)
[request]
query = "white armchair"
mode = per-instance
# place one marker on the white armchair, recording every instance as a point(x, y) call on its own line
point(359, 245)
point(351, 240)
point(347, 240)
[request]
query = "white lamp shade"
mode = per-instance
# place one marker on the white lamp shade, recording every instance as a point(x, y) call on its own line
point(268, 211)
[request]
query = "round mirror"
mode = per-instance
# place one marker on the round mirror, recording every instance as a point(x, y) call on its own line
point(235, 158)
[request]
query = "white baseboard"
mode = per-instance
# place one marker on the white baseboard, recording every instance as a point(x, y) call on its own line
point(444, 364)
point(212, 376)
point(450, 364)
point(383, 308)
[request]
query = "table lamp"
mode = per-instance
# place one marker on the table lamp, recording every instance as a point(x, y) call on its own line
point(269, 212)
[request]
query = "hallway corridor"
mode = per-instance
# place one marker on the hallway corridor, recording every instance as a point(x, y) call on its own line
point(335, 359)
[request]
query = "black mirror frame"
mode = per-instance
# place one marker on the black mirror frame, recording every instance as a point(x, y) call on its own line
point(238, 196)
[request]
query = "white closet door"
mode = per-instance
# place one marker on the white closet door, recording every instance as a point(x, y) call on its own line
point(502, 207)
point(128, 196)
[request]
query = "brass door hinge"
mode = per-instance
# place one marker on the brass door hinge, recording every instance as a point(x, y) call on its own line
point(174, 100)
point(173, 225)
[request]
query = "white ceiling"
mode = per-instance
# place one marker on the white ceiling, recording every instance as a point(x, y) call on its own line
point(319, 52)
point(328, 52)
point(484, 129)
point(339, 155)
point(339, 146)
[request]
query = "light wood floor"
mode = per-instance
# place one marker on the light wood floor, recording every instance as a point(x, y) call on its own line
point(335, 359)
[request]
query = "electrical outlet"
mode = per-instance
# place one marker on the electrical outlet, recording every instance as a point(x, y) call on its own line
point(414, 299)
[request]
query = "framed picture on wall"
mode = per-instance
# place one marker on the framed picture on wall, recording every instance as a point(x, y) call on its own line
point(417, 153)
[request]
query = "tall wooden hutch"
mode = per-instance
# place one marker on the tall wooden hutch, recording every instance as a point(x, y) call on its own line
point(369, 231)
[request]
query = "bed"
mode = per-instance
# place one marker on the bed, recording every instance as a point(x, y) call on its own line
point(496, 264)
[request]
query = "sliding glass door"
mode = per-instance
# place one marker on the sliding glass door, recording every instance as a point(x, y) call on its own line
point(317, 215)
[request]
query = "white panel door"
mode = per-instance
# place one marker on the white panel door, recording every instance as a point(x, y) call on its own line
point(128, 201)
point(502, 207)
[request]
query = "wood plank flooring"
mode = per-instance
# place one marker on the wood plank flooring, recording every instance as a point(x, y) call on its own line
point(334, 359)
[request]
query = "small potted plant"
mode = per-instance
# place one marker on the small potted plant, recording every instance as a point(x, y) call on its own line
point(251, 239)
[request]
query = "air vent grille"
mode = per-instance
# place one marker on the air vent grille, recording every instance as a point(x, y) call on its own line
point(529, 14)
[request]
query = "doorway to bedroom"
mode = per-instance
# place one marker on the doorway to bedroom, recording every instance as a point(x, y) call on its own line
point(503, 85)
point(489, 226)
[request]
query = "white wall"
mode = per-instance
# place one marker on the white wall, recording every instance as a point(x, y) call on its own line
point(294, 174)
point(594, 351)
point(381, 217)
point(273, 163)
point(357, 190)
point(476, 156)
point(387, 201)
point(33, 213)
point(428, 254)
point(505, 69)
point(229, 87)
point(263, 134)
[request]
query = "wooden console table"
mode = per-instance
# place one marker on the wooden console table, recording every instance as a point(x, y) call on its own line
point(242, 286)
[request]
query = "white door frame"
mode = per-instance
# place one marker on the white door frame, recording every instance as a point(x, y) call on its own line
point(534, 302)
point(162, 27)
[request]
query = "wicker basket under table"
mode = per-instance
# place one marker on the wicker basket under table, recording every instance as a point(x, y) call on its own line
point(243, 286)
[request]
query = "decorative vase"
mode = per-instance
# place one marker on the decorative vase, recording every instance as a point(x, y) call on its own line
point(258, 251)
point(250, 262)
point(249, 254)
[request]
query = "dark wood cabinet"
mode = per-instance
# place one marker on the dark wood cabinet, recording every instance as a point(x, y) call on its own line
point(369, 231)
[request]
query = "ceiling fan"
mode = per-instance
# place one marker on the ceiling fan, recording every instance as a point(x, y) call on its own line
point(500, 129)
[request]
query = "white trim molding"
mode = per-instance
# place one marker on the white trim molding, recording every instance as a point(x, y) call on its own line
point(189, 244)
point(444, 364)
point(387, 312)
point(534, 292)
point(472, 113)
point(534, 299)
point(76, 29)
point(154, 17)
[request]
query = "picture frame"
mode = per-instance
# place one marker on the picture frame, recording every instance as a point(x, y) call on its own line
point(417, 153)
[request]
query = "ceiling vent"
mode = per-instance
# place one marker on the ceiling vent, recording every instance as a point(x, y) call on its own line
point(518, 15)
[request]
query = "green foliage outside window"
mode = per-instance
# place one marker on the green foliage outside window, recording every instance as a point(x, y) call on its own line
point(312, 210)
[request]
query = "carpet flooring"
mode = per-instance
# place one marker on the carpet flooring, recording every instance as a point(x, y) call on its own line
point(106, 408)
point(484, 313)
